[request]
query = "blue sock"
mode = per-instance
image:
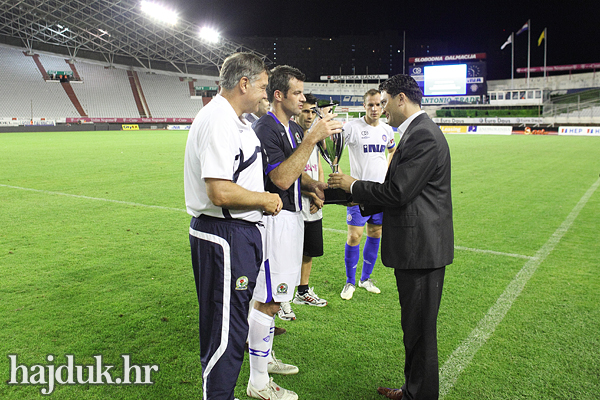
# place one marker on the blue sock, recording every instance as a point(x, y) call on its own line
point(351, 260)
point(369, 257)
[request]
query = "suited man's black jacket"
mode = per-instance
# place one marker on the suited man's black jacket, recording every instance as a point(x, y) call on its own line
point(416, 200)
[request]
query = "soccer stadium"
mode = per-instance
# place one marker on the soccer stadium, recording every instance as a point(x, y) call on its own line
point(97, 290)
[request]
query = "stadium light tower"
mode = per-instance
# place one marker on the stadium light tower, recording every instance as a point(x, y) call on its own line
point(159, 12)
point(209, 34)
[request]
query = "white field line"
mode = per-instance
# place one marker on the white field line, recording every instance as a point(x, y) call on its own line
point(128, 203)
point(497, 253)
point(464, 353)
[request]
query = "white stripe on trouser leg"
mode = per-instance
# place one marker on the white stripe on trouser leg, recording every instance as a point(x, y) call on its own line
point(226, 301)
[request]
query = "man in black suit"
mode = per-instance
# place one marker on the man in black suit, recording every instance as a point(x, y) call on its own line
point(417, 237)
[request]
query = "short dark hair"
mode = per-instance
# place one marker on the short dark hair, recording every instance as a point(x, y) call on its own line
point(239, 65)
point(280, 80)
point(402, 84)
point(370, 92)
point(311, 99)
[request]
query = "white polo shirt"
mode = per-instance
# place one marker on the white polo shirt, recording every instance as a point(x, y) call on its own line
point(221, 146)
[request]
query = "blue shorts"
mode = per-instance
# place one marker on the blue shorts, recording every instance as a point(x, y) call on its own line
point(354, 218)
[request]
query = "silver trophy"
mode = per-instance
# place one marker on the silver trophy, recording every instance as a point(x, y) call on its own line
point(331, 149)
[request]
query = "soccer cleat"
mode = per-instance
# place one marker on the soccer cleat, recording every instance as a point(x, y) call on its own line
point(285, 312)
point(348, 291)
point(310, 298)
point(369, 285)
point(271, 392)
point(278, 367)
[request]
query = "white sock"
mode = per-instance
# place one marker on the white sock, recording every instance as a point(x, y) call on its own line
point(271, 335)
point(260, 342)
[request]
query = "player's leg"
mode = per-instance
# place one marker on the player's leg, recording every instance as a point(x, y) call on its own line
point(313, 247)
point(356, 224)
point(272, 288)
point(370, 252)
point(226, 258)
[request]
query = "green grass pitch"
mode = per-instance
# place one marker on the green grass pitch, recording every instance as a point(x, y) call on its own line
point(88, 267)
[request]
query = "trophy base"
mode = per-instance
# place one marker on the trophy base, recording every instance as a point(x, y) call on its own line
point(337, 196)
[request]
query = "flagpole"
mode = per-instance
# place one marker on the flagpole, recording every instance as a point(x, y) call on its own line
point(545, 51)
point(528, 50)
point(512, 61)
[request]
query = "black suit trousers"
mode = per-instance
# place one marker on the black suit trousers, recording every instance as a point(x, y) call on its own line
point(420, 292)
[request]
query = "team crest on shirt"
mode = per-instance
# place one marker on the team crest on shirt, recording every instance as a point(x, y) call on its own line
point(298, 138)
point(349, 217)
point(384, 138)
point(282, 288)
point(241, 283)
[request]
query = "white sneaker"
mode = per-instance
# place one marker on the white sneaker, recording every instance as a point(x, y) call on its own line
point(278, 367)
point(369, 285)
point(285, 312)
point(310, 298)
point(271, 392)
point(348, 291)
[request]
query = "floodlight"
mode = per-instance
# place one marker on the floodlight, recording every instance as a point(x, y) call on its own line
point(209, 34)
point(159, 12)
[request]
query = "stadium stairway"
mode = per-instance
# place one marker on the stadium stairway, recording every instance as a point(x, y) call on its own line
point(73, 97)
point(66, 85)
point(138, 95)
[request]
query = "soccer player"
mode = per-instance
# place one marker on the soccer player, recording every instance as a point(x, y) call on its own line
point(311, 212)
point(224, 193)
point(286, 155)
point(367, 139)
point(263, 108)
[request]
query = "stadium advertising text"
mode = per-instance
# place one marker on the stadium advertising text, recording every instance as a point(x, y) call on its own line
point(448, 99)
point(353, 77)
point(456, 57)
point(477, 130)
point(579, 130)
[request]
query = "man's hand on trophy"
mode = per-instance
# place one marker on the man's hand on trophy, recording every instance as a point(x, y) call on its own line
point(325, 127)
point(340, 181)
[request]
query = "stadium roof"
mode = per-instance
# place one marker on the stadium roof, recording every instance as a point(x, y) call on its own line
point(114, 29)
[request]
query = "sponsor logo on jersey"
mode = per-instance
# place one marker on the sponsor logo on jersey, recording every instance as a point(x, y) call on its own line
point(373, 148)
point(364, 134)
point(241, 283)
point(282, 288)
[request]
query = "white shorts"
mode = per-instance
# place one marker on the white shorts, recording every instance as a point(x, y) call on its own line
point(280, 272)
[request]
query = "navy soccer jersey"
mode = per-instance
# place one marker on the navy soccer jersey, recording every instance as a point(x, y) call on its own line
point(278, 143)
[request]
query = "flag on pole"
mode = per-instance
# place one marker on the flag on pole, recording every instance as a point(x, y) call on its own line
point(542, 37)
point(524, 28)
point(508, 41)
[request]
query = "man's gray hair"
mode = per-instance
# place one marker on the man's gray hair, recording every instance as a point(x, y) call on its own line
point(240, 65)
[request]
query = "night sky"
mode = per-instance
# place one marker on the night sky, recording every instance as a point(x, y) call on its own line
point(467, 26)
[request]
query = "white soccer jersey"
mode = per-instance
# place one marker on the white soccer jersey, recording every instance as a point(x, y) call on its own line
point(221, 146)
point(366, 146)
